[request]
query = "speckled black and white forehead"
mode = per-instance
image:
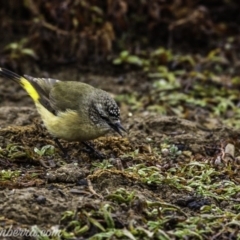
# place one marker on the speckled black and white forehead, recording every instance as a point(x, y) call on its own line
point(108, 104)
point(112, 108)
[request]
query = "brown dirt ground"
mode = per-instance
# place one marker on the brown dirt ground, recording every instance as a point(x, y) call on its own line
point(61, 185)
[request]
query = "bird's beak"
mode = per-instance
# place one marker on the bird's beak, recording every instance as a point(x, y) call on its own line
point(117, 127)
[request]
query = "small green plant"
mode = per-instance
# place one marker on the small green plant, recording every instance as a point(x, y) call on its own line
point(47, 150)
point(15, 151)
point(132, 154)
point(126, 57)
point(18, 49)
point(122, 196)
point(105, 164)
point(174, 152)
point(8, 174)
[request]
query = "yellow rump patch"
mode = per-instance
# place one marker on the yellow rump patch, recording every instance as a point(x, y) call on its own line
point(30, 89)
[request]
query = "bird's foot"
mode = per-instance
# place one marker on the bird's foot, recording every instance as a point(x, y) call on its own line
point(64, 150)
point(90, 149)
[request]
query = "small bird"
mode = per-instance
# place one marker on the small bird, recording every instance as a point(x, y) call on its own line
point(73, 111)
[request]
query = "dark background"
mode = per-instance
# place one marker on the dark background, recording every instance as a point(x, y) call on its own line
point(89, 32)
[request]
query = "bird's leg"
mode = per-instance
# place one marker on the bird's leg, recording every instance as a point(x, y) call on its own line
point(90, 148)
point(64, 151)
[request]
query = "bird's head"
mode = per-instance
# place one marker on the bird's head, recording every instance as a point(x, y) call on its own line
point(106, 113)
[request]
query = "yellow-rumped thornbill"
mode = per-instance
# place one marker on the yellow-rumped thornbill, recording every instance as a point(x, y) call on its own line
point(70, 110)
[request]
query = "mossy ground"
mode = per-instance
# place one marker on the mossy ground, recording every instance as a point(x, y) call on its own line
point(168, 178)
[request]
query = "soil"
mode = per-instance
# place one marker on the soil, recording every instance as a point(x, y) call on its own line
point(50, 185)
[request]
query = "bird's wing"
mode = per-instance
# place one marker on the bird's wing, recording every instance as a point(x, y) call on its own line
point(59, 95)
point(43, 86)
point(70, 95)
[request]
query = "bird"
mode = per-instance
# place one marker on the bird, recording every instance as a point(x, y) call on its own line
point(70, 110)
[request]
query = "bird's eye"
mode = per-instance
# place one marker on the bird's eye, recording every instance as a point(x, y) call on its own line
point(104, 118)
